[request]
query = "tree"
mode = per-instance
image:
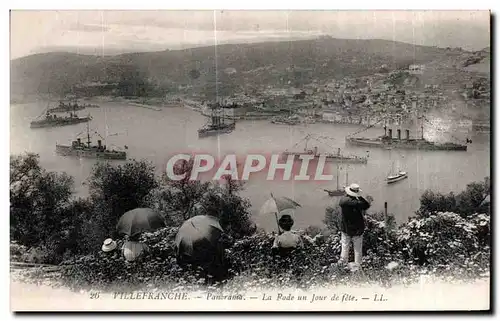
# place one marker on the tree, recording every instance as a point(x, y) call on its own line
point(233, 213)
point(38, 200)
point(471, 200)
point(431, 202)
point(116, 189)
point(177, 200)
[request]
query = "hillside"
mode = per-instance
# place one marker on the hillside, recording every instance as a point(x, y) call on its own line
point(261, 63)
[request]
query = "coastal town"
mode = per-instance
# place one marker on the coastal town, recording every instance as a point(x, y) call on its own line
point(397, 97)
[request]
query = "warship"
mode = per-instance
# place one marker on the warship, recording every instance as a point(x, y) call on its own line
point(67, 107)
point(71, 106)
point(291, 120)
point(87, 150)
point(329, 156)
point(388, 141)
point(216, 126)
point(55, 121)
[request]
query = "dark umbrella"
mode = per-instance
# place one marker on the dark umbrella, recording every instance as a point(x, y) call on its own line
point(198, 236)
point(139, 220)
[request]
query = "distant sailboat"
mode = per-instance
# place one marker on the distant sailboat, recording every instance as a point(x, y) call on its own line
point(339, 191)
point(396, 176)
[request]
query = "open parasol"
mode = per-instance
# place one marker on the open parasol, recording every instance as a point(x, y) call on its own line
point(278, 204)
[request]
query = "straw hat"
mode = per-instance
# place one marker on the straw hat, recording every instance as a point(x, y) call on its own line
point(109, 245)
point(353, 190)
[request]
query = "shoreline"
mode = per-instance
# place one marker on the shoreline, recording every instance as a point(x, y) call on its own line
point(157, 104)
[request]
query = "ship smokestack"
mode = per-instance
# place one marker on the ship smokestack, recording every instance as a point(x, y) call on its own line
point(407, 134)
point(79, 140)
point(399, 134)
point(385, 130)
point(315, 150)
point(99, 143)
point(390, 133)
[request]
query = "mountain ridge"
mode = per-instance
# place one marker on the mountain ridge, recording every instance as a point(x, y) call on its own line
point(298, 61)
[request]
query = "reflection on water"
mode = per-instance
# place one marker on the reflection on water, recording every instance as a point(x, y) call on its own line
point(157, 135)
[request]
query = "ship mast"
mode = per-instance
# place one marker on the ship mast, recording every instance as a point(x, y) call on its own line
point(422, 127)
point(421, 117)
point(88, 135)
point(338, 173)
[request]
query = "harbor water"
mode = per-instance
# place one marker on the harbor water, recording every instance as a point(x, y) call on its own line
point(156, 135)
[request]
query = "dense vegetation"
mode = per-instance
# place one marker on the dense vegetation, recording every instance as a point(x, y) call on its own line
point(449, 235)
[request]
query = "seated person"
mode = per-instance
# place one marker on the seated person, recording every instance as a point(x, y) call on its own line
point(288, 240)
point(132, 249)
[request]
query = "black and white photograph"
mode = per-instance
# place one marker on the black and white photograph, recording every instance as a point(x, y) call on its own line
point(250, 160)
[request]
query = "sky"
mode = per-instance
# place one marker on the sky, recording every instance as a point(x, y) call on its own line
point(111, 32)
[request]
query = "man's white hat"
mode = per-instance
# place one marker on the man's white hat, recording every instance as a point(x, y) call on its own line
point(109, 245)
point(353, 190)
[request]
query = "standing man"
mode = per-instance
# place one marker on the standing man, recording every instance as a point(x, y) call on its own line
point(352, 223)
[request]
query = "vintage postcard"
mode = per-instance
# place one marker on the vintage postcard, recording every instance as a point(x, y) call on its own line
point(219, 160)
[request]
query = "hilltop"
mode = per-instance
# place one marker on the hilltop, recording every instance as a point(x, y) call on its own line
point(264, 63)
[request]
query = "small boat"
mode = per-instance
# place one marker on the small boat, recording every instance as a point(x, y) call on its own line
point(91, 106)
point(339, 191)
point(397, 177)
point(393, 178)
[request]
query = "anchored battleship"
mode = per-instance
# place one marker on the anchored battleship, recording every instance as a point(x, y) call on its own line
point(216, 126)
point(66, 107)
point(387, 141)
point(55, 121)
point(291, 120)
point(80, 149)
point(329, 156)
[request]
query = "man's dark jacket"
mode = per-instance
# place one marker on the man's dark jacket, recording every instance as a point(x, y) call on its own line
point(352, 220)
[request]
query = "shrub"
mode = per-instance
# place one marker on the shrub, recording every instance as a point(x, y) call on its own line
point(441, 240)
point(105, 269)
point(471, 200)
point(445, 243)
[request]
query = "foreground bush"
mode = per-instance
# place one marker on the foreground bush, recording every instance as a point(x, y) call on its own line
point(446, 240)
point(443, 243)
